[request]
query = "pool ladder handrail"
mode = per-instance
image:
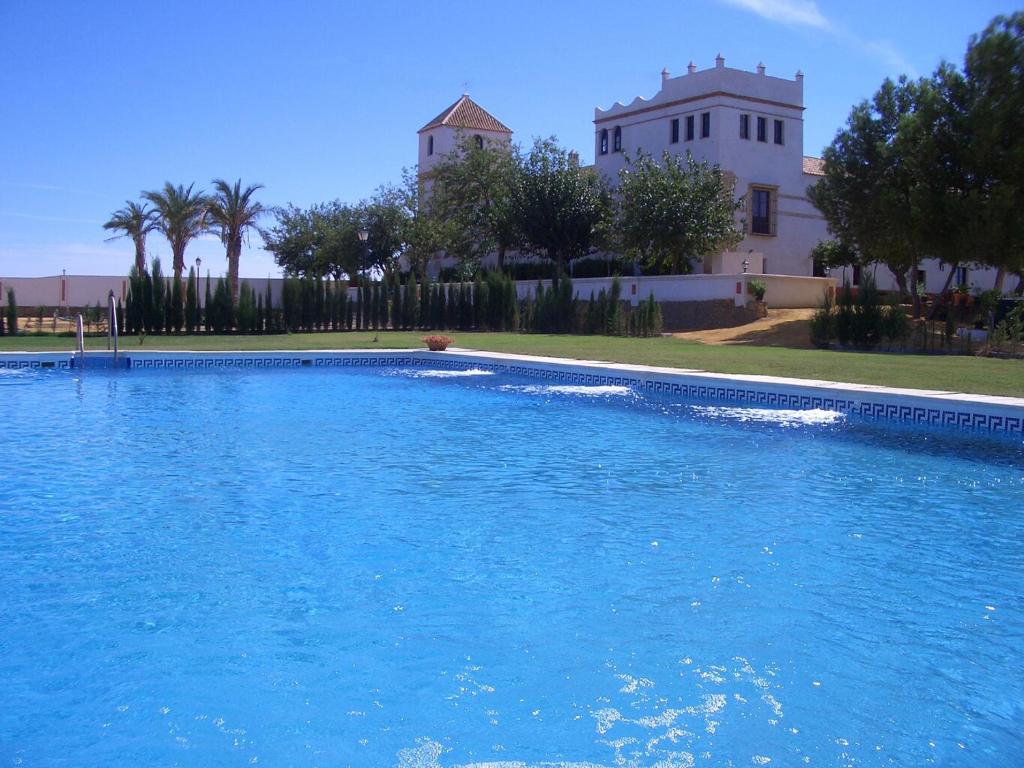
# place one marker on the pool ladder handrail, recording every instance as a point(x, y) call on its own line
point(111, 323)
point(80, 333)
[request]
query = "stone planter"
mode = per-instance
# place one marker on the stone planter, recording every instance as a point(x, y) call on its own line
point(437, 343)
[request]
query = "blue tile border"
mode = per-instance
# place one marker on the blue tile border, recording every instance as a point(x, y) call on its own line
point(872, 403)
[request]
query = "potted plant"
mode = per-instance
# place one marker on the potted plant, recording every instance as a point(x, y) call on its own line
point(438, 343)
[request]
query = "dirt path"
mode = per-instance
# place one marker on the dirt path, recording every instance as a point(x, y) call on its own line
point(782, 328)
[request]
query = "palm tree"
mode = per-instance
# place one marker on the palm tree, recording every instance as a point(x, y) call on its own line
point(182, 215)
point(234, 212)
point(134, 221)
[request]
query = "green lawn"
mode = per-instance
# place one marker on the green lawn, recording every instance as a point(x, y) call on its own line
point(957, 373)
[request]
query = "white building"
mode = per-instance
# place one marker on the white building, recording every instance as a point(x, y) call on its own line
point(749, 124)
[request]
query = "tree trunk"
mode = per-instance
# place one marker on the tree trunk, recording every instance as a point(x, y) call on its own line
point(234, 255)
point(901, 283)
point(140, 256)
point(1000, 279)
point(915, 297)
point(501, 258)
point(1019, 290)
point(179, 261)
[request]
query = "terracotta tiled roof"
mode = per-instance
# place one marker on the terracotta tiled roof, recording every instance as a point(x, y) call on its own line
point(466, 113)
point(814, 166)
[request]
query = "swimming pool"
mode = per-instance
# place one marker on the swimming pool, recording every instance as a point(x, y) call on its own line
point(409, 567)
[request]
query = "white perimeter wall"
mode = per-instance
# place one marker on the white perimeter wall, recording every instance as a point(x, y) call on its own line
point(783, 291)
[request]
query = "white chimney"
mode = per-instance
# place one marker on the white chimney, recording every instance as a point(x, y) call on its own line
point(719, 61)
point(760, 68)
point(799, 74)
point(664, 74)
point(691, 68)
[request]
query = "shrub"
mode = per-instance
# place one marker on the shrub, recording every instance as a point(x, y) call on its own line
point(823, 323)
point(867, 319)
point(757, 288)
point(844, 316)
point(895, 325)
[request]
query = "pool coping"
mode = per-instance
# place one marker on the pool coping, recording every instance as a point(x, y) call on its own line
point(991, 413)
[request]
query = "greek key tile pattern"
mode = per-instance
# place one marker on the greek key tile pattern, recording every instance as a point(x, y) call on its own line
point(880, 407)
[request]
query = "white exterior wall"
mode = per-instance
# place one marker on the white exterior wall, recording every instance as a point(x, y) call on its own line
point(446, 139)
point(726, 94)
point(781, 291)
point(86, 290)
point(978, 278)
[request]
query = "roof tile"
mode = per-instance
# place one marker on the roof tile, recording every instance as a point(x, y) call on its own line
point(466, 113)
point(814, 166)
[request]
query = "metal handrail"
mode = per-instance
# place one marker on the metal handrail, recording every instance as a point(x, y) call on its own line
point(81, 341)
point(111, 323)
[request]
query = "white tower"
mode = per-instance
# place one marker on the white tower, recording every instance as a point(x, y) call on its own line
point(465, 117)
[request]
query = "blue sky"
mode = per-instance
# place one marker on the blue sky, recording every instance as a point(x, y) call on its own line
point(322, 100)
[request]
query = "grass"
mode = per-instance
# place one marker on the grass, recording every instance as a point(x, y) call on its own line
point(976, 375)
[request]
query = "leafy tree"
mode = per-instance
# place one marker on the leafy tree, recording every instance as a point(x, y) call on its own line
point(292, 239)
point(559, 208)
point(181, 216)
point(134, 221)
point(470, 195)
point(869, 195)
point(233, 212)
point(994, 71)
point(674, 211)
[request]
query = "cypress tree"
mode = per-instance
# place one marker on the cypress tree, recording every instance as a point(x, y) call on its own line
point(424, 313)
point(374, 304)
point(119, 313)
point(449, 306)
point(382, 307)
point(268, 310)
point(396, 303)
point(360, 302)
point(177, 306)
point(259, 313)
point(207, 304)
point(191, 299)
point(156, 306)
point(12, 313)
point(413, 303)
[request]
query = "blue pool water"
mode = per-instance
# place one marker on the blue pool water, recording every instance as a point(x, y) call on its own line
point(386, 568)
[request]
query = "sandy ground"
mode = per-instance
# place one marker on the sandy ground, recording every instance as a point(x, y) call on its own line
point(782, 328)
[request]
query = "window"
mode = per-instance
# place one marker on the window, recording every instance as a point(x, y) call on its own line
point(856, 275)
point(705, 124)
point(617, 144)
point(604, 141)
point(762, 129)
point(922, 279)
point(778, 131)
point(744, 126)
point(675, 130)
point(960, 279)
point(761, 211)
point(430, 145)
point(689, 127)
point(479, 141)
